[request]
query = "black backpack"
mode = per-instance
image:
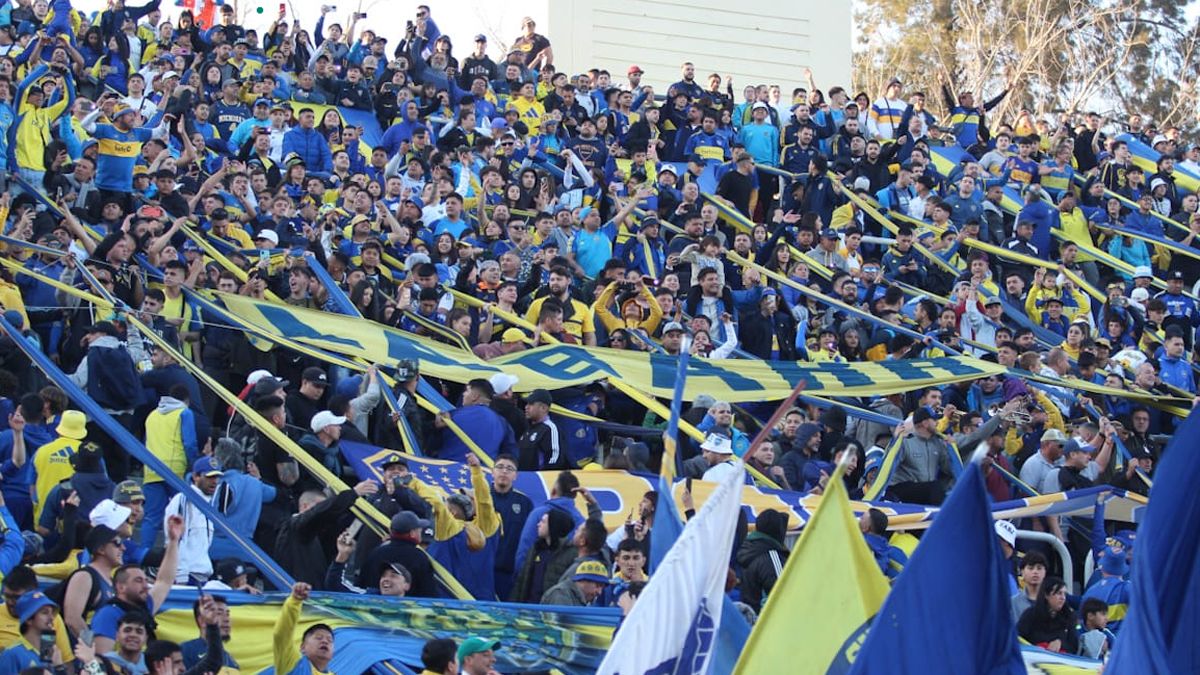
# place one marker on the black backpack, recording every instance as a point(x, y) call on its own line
point(58, 591)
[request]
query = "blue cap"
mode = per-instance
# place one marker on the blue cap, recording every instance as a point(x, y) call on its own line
point(263, 101)
point(584, 212)
point(190, 245)
point(1126, 537)
point(769, 292)
point(828, 234)
point(348, 386)
point(30, 602)
point(26, 28)
point(1113, 562)
point(206, 466)
point(416, 202)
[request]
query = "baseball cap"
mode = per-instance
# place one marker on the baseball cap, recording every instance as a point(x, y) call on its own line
point(269, 385)
point(481, 38)
point(1175, 275)
point(592, 570)
point(718, 444)
point(127, 491)
point(828, 234)
point(921, 414)
point(269, 235)
point(634, 69)
point(315, 375)
point(672, 326)
point(759, 105)
point(393, 458)
point(205, 466)
point(502, 383)
point(512, 335)
point(1158, 139)
point(228, 570)
point(109, 514)
point(1073, 445)
point(539, 396)
point(407, 521)
point(266, 102)
point(476, 645)
point(1113, 562)
point(1054, 435)
point(406, 369)
point(326, 419)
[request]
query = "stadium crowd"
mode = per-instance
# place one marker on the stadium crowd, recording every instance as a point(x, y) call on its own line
point(508, 205)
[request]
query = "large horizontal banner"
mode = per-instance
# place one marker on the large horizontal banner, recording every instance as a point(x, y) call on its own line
point(618, 494)
point(558, 366)
point(370, 629)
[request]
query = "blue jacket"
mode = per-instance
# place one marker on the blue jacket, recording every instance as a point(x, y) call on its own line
point(1177, 373)
point(513, 508)
point(890, 559)
point(488, 429)
point(240, 497)
point(13, 546)
point(312, 147)
point(529, 531)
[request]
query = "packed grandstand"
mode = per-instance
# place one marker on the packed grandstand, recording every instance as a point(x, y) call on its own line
point(327, 353)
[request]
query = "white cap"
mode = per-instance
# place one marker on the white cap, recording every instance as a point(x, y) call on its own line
point(255, 376)
point(269, 235)
point(109, 514)
point(1007, 532)
point(1158, 139)
point(718, 444)
point(168, 75)
point(502, 383)
point(862, 183)
point(326, 419)
point(1139, 295)
point(1142, 271)
point(1156, 181)
point(759, 105)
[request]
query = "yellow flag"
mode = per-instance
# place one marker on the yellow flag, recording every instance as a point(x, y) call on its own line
point(829, 589)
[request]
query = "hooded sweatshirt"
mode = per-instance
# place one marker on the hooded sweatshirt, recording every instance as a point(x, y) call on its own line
point(794, 460)
point(171, 436)
point(762, 557)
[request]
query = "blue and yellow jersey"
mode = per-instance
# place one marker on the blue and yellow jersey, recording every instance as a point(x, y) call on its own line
point(119, 153)
point(1022, 171)
point(530, 112)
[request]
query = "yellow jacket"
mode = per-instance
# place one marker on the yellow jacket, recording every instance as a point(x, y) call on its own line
point(446, 526)
point(612, 322)
point(1054, 420)
point(1038, 295)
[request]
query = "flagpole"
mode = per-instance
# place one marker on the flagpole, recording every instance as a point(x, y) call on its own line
point(670, 466)
point(778, 414)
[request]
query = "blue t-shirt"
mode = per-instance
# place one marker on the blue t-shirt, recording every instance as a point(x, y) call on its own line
point(119, 153)
point(105, 620)
point(454, 227)
point(593, 249)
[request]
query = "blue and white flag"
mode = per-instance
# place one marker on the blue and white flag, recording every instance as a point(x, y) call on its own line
point(674, 625)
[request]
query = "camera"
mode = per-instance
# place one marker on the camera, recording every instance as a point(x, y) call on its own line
point(360, 15)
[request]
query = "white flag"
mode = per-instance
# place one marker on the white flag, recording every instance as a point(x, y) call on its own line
point(673, 627)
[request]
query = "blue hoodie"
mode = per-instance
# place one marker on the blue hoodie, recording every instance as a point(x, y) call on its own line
point(529, 532)
point(890, 559)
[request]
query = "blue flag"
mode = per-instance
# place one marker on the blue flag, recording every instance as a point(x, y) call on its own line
point(950, 606)
point(1159, 632)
